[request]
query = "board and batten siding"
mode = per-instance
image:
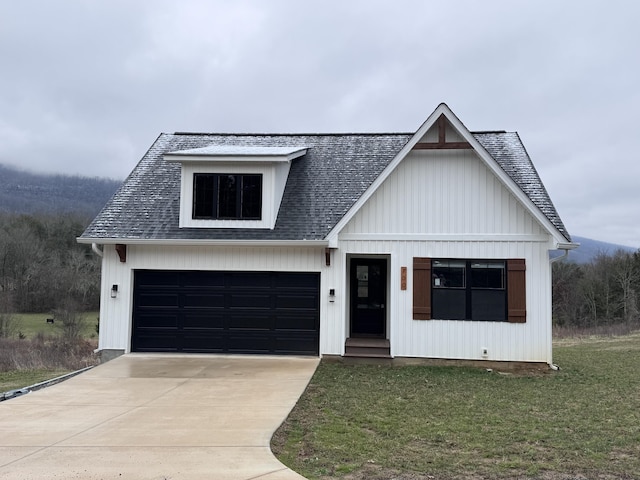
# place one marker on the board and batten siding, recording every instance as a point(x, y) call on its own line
point(443, 192)
point(116, 313)
point(448, 204)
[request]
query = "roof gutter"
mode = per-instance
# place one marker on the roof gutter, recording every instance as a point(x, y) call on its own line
point(566, 247)
point(206, 242)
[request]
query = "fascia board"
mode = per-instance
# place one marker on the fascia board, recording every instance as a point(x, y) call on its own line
point(204, 242)
point(178, 158)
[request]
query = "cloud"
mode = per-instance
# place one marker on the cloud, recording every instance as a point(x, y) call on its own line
point(87, 86)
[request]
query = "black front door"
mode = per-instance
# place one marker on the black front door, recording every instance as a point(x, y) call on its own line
point(368, 279)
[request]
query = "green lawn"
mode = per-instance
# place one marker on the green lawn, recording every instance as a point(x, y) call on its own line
point(15, 379)
point(416, 422)
point(29, 324)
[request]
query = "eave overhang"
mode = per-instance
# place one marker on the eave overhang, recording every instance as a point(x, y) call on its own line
point(204, 242)
point(230, 153)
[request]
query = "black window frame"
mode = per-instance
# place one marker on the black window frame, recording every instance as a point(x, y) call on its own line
point(470, 296)
point(208, 197)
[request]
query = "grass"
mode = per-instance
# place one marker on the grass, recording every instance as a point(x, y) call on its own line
point(16, 379)
point(30, 324)
point(418, 422)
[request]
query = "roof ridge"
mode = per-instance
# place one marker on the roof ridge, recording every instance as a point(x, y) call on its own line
point(318, 134)
point(263, 134)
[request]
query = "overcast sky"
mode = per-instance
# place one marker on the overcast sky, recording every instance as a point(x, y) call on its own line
point(86, 87)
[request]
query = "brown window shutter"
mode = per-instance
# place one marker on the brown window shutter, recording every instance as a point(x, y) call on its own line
point(421, 288)
point(516, 291)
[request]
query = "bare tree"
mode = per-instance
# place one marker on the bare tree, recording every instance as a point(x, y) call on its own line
point(9, 323)
point(626, 275)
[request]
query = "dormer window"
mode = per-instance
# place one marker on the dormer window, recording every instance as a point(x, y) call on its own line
point(232, 186)
point(223, 196)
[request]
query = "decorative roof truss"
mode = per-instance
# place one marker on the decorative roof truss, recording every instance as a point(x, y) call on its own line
point(442, 139)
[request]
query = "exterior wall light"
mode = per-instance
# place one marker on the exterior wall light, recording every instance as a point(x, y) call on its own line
point(114, 291)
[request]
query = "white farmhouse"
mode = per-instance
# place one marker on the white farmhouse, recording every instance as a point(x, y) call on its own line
point(430, 245)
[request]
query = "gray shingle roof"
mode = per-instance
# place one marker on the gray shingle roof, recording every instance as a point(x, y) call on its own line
point(507, 149)
point(322, 185)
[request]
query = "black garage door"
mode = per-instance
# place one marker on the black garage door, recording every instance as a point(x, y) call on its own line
point(226, 312)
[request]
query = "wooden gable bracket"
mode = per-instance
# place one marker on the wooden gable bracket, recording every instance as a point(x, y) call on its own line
point(121, 250)
point(327, 256)
point(442, 143)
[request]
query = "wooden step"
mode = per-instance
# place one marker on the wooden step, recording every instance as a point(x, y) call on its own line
point(367, 348)
point(368, 342)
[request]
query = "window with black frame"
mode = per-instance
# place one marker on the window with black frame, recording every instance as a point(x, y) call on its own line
point(469, 290)
point(220, 196)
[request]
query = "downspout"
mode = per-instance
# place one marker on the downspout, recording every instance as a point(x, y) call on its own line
point(100, 253)
point(94, 247)
point(556, 259)
point(553, 366)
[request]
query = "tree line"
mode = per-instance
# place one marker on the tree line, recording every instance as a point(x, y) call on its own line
point(604, 292)
point(42, 267)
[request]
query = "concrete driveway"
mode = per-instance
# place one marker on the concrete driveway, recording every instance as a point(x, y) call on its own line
point(156, 417)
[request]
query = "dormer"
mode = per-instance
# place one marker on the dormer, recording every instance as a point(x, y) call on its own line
point(225, 186)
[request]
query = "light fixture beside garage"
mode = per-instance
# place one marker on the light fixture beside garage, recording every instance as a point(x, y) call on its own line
point(114, 291)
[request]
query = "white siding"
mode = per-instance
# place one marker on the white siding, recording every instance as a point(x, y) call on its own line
point(443, 192)
point(448, 204)
point(465, 339)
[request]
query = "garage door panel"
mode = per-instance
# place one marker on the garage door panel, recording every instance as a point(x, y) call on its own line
point(203, 322)
point(203, 300)
point(202, 343)
point(156, 342)
point(292, 344)
point(203, 279)
point(250, 342)
point(247, 300)
point(249, 321)
point(251, 280)
point(226, 312)
point(155, 300)
point(157, 320)
point(297, 302)
point(295, 281)
point(157, 279)
point(298, 322)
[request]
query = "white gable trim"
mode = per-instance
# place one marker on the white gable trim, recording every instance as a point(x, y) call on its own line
point(489, 161)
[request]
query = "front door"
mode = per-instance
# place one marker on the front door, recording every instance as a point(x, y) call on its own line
point(368, 278)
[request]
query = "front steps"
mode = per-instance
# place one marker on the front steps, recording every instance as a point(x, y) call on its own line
point(367, 348)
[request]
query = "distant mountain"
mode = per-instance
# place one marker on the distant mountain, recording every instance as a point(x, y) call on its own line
point(26, 192)
point(589, 249)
